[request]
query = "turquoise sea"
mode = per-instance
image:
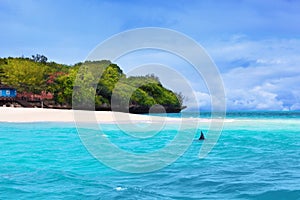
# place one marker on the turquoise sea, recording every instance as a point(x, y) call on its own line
point(257, 157)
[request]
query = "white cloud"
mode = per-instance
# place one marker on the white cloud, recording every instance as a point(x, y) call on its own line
point(253, 99)
point(244, 52)
point(203, 101)
point(262, 88)
point(259, 75)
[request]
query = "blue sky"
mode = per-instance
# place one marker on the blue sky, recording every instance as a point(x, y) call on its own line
point(255, 44)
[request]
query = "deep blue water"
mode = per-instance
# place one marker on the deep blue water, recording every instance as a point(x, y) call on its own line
point(257, 157)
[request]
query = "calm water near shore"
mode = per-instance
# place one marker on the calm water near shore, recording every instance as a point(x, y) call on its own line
point(256, 157)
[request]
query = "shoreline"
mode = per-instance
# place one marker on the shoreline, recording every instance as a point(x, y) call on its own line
point(23, 115)
point(31, 115)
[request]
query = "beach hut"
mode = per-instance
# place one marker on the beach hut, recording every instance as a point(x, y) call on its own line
point(7, 92)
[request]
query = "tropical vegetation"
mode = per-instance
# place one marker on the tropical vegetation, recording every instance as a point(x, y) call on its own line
point(102, 80)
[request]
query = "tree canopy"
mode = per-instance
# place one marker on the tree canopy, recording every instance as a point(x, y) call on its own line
point(36, 75)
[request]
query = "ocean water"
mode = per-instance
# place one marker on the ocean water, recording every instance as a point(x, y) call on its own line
point(257, 157)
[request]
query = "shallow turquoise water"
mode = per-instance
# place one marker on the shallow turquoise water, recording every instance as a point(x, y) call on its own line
point(256, 157)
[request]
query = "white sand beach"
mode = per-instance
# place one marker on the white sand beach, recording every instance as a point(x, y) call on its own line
point(8, 114)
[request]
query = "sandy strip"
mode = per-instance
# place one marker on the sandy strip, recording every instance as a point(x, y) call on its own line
point(55, 115)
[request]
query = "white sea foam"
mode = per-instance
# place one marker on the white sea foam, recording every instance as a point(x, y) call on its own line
point(120, 188)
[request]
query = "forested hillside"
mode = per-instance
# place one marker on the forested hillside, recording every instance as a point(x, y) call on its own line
point(36, 75)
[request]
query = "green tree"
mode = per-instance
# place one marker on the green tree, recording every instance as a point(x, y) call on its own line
point(25, 75)
point(36, 75)
point(110, 76)
point(39, 58)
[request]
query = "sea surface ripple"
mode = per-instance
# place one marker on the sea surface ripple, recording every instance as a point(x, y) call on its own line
point(256, 157)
